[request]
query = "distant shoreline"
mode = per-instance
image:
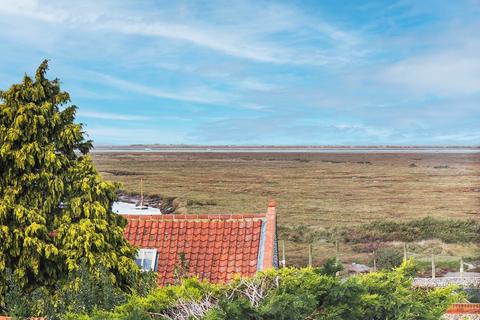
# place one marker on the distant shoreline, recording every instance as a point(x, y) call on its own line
point(285, 149)
point(173, 146)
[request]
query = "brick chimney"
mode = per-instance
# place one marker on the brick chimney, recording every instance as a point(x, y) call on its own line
point(270, 248)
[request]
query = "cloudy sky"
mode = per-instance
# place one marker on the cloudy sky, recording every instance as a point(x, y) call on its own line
point(323, 72)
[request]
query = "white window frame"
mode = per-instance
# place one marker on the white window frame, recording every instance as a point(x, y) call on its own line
point(143, 254)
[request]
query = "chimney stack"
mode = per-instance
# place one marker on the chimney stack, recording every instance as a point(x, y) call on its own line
point(271, 237)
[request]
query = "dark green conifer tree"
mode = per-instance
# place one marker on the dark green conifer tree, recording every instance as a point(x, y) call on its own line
point(55, 209)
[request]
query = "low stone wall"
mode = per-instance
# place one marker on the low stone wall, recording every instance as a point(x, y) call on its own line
point(461, 317)
point(444, 282)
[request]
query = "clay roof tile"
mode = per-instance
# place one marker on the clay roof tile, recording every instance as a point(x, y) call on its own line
point(215, 246)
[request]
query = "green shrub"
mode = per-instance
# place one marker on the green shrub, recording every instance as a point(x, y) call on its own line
point(389, 258)
point(284, 294)
point(82, 293)
point(303, 234)
point(330, 267)
point(424, 266)
point(472, 294)
point(447, 230)
point(292, 294)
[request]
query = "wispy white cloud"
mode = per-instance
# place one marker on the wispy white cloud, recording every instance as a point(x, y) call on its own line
point(249, 83)
point(459, 137)
point(276, 71)
point(210, 39)
point(203, 95)
point(255, 106)
point(263, 129)
point(198, 94)
point(378, 132)
point(448, 73)
point(249, 39)
point(111, 116)
point(114, 135)
point(256, 85)
point(175, 118)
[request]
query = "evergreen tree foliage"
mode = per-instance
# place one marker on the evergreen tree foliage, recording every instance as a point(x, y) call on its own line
point(55, 209)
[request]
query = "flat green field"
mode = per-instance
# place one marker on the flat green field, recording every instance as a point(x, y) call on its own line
point(317, 193)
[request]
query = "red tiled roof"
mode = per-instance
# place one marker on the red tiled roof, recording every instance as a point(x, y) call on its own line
point(10, 318)
point(464, 308)
point(215, 247)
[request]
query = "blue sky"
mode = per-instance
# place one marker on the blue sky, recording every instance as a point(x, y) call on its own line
point(257, 72)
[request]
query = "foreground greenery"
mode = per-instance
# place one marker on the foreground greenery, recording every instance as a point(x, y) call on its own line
point(289, 293)
point(82, 292)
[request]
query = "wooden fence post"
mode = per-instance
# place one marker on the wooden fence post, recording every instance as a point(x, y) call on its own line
point(337, 256)
point(461, 267)
point(433, 266)
point(405, 255)
point(283, 262)
point(310, 255)
point(337, 252)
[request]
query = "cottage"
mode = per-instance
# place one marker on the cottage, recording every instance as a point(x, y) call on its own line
point(213, 247)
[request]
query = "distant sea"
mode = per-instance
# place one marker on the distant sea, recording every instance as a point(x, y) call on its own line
point(216, 149)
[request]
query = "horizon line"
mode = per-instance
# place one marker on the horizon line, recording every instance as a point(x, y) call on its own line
point(161, 145)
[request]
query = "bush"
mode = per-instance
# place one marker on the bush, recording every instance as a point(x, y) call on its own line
point(81, 293)
point(472, 294)
point(304, 234)
point(285, 294)
point(330, 267)
point(291, 293)
point(447, 230)
point(389, 258)
point(424, 267)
